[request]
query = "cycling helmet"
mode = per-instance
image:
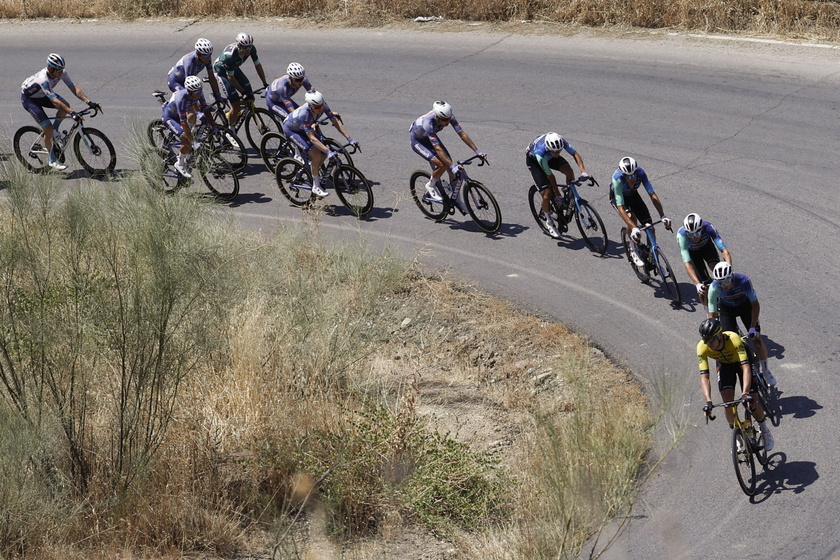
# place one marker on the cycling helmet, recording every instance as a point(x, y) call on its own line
point(295, 71)
point(722, 272)
point(203, 46)
point(627, 165)
point(244, 40)
point(692, 223)
point(192, 83)
point(314, 99)
point(554, 142)
point(55, 61)
point(442, 109)
point(710, 328)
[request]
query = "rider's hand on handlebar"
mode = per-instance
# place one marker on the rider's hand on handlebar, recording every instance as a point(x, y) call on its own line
point(746, 398)
point(667, 222)
point(454, 168)
point(701, 288)
point(331, 154)
point(94, 106)
point(707, 408)
point(76, 116)
point(584, 175)
point(752, 332)
point(352, 142)
point(481, 154)
point(636, 235)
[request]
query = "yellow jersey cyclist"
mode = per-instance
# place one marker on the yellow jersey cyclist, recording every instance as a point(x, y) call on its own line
point(227, 67)
point(699, 243)
point(733, 367)
point(541, 156)
point(731, 295)
point(37, 93)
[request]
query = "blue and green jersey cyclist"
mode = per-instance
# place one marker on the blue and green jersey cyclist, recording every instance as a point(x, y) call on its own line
point(699, 244)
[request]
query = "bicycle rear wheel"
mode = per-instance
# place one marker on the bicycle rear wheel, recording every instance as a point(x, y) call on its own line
point(641, 271)
point(160, 172)
point(274, 147)
point(744, 461)
point(353, 188)
point(230, 147)
point(432, 209)
point(591, 228)
point(482, 206)
point(260, 121)
point(294, 180)
point(669, 281)
point(30, 149)
point(218, 176)
point(760, 452)
point(535, 202)
point(95, 152)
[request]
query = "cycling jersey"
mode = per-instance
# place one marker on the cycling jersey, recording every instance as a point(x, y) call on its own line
point(40, 85)
point(301, 121)
point(176, 108)
point(689, 244)
point(230, 59)
point(538, 150)
point(621, 186)
point(739, 293)
point(733, 352)
point(426, 127)
point(278, 96)
point(188, 65)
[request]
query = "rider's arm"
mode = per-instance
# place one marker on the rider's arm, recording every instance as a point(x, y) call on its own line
point(657, 204)
point(77, 91)
point(625, 216)
point(339, 126)
point(467, 140)
point(214, 83)
point(727, 256)
point(703, 363)
point(579, 161)
point(746, 377)
point(261, 73)
point(316, 142)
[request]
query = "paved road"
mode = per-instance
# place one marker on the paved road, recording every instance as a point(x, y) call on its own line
point(744, 133)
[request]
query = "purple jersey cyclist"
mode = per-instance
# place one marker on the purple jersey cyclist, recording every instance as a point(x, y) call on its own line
point(425, 142)
point(278, 96)
point(37, 93)
point(175, 117)
point(301, 127)
point(699, 243)
point(191, 64)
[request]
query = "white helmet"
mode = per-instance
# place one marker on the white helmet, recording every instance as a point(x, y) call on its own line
point(554, 142)
point(244, 40)
point(314, 99)
point(192, 83)
point(55, 61)
point(722, 272)
point(692, 223)
point(295, 71)
point(627, 165)
point(203, 46)
point(442, 109)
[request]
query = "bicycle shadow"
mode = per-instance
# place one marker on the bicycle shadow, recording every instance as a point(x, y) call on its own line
point(796, 406)
point(375, 213)
point(781, 475)
point(505, 230)
point(249, 198)
point(567, 241)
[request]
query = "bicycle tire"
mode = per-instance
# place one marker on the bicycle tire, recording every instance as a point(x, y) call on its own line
point(760, 451)
point(641, 272)
point(765, 398)
point(294, 180)
point(95, 152)
point(589, 224)
point(535, 202)
point(30, 149)
point(353, 189)
point(259, 122)
point(343, 156)
point(743, 461)
point(667, 278)
point(482, 206)
point(158, 135)
point(432, 209)
point(218, 176)
point(274, 146)
point(230, 147)
point(160, 173)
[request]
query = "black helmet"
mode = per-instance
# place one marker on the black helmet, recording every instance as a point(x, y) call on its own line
point(710, 328)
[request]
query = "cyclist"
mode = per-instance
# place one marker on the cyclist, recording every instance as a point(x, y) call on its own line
point(175, 113)
point(36, 94)
point(541, 156)
point(425, 142)
point(278, 96)
point(728, 349)
point(625, 195)
point(191, 64)
point(732, 296)
point(699, 243)
point(227, 67)
point(301, 128)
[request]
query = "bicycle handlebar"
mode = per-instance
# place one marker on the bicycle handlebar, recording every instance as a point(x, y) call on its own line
point(468, 161)
point(583, 180)
point(728, 404)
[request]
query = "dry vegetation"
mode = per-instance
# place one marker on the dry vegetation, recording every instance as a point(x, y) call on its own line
point(804, 18)
point(170, 387)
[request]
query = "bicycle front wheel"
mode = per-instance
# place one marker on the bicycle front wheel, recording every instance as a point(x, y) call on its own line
point(218, 176)
point(353, 189)
point(666, 275)
point(260, 121)
point(274, 146)
point(482, 206)
point(294, 180)
point(432, 209)
point(160, 172)
point(30, 149)
point(591, 228)
point(230, 148)
point(95, 152)
point(157, 134)
point(744, 461)
point(641, 271)
point(343, 156)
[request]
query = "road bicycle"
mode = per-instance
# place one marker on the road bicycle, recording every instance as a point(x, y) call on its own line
point(227, 143)
point(654, 262)
point(589, 223)
point(158, 167)
point(93, 149)
point(255, 120)
point(747, 446)
point(274, 146)
point(294, 179)
point(766, 394)
point(465, 194)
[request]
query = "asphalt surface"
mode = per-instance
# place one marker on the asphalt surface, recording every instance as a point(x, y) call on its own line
point(745, 133)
